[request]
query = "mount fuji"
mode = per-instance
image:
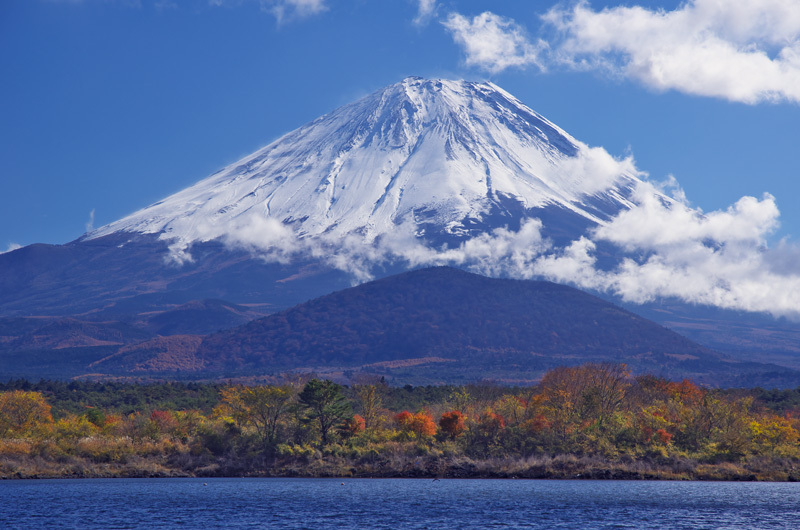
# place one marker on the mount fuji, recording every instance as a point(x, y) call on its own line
point(451, 159)
point(420, 173)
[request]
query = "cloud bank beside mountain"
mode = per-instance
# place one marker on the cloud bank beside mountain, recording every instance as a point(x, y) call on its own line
point(719, 258)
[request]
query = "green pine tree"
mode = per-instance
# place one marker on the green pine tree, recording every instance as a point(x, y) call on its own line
point(326, 405)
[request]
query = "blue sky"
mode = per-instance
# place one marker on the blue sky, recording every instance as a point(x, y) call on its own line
point(107, 106)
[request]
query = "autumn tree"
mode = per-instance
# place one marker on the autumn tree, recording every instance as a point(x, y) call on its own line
point(512, 408)
point(164, 420)
point(352, 426)
point(668, 412)
point(460, 399)
point(261, 407)
point(490, 425)
point(590, 391)
point(21, 411)
point(73, 427)
point(423, 424)
point(403, 419)
point(325, 405)
point(370, 403)
point(728, 424)
point(770, 432)
point(453, 424)
point(419, 425)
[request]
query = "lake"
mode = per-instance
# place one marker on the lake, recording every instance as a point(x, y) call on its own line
point(395, 503)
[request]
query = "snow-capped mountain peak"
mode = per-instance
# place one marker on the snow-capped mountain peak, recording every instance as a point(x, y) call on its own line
point(442, 155)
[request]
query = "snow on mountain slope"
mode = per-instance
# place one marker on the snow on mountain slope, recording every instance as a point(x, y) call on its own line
point(440, 155)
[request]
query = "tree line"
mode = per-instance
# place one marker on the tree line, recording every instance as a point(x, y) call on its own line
point(599, 413)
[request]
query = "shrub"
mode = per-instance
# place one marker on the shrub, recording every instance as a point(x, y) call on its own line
point(453, 424)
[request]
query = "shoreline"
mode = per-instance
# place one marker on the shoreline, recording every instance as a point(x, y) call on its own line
point(560, 467)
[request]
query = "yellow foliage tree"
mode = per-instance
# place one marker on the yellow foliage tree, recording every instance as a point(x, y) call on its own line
point(261, 407)
point(21, 412)
point(772, 432)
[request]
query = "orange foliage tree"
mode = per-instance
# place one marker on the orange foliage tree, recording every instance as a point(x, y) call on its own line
point(420, 424)
point(491, 424)
point(453, 424)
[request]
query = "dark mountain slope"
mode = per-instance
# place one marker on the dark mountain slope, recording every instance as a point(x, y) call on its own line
point(200, 317)
point(118, 276)
point(20, 334)
point(491, 327)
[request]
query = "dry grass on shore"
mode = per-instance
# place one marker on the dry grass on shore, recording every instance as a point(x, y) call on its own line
point(533, 467)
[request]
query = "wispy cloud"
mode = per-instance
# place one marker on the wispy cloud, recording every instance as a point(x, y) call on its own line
point(740, 50)
point(494, 43)
point(11, 247)
point(426, 9)
point(90, 222)
point(289, 9)
point(162, 5)
point(124, 3)
point(282, 10)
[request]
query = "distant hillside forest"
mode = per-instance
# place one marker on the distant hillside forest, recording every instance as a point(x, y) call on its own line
point(589, 421)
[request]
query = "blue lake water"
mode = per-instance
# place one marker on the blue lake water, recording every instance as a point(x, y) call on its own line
point(395, 503)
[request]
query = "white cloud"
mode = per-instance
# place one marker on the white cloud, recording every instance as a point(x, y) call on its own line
point(286, 9)
point(283, 10)
point(655, 224)
point(500, 252)
point(261, 234)
point(11, 247)
point(425, 11)
point(593, 169)
point(90, 222)
point(494, 43)
point(666, 249)
point(719, 258)
point(572, 264)
point(738, 278)
point(266, 237)
point(741, 50)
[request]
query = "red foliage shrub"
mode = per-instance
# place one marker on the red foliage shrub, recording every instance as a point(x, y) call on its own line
point(354, 425)
point(538, 423)
point(421, 423)
point(403, 419)
point(686, 391)
point(164, 420)
point(453, 424)
point(492, 422)
point(662, 437)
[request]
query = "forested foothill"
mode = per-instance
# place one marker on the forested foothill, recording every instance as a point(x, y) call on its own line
point(588, 421)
